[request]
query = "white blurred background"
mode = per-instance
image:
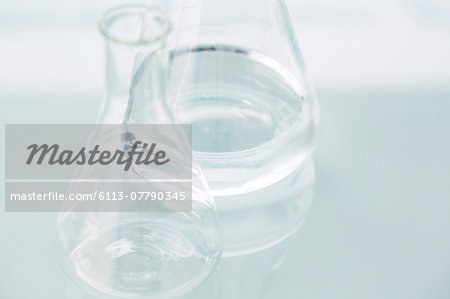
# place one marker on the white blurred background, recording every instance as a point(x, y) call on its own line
point(53, 46)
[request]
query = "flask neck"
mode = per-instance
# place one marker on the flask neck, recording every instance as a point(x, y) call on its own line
point(131, 32)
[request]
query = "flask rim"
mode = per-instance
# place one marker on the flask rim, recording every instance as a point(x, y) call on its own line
point(112, 14)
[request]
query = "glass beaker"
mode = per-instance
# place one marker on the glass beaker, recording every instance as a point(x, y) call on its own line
point(236, 73)
point(130, 31)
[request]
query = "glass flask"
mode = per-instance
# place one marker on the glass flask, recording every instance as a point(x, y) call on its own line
point(117, 254)
point(120, 253)
point(235, 72)
point(130, 32)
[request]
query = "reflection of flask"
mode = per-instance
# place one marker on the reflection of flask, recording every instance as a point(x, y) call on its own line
point(263, 218)
point(210, 288)
point(249, 276)
point(258, 228)
point(130, 32)
point(236, 73)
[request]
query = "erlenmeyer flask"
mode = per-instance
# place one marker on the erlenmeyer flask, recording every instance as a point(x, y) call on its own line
point(237, 75)
point(117, 253)
point(161, 254)
point(130, 32)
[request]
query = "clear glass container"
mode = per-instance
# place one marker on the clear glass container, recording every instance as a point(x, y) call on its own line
point(130, 32)
point(235, 72)
point(122, 254)
point(165, 253)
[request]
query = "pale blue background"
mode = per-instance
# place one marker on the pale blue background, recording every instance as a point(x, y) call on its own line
point(380, 223)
